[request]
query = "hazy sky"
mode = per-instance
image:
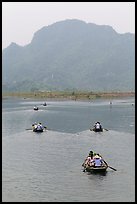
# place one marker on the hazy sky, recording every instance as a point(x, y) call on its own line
point(20, 20)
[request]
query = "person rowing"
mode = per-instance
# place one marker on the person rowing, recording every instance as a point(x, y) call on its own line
point(98, 127)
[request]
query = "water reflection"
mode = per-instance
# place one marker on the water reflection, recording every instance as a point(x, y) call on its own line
point(96, 174)
point(47, 167)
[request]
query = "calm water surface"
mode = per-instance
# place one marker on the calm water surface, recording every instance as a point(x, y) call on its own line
point(46, 167)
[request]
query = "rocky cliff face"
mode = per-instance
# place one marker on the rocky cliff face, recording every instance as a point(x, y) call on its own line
point(71, 54)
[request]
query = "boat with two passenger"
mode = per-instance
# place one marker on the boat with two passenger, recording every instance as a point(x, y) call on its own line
point(37, 127)
point(35, 108)
point(94, 163)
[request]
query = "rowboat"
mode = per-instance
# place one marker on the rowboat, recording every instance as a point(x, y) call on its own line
point(36, 108)
point(97, 169)
point(94, 163)
point(97, 127)
point(98, 130)
point(36, 130)
point(37, 127)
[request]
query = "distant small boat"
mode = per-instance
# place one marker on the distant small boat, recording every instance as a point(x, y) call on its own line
point(36, 108)
point(44, 104)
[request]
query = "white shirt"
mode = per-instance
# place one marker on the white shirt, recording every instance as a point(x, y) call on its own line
point(97, 126)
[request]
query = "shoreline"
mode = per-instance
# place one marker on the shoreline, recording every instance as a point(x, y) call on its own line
point(63, 95)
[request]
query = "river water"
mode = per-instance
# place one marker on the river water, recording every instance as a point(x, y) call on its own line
point(47, 167)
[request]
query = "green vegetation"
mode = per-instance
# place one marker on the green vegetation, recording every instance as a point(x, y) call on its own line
point(63, 95)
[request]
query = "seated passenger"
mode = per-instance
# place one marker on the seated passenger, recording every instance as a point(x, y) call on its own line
point(98, 161)
point(39, 126)
point(91, 154)
point(34, 126)
point(98, 126)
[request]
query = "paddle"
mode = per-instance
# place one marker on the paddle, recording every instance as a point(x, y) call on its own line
point(31, 128)
point(105, 129)
point(92, 129)
point(112, 168)
point(84, 167)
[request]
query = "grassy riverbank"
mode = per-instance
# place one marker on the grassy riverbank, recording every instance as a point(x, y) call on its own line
point(64, 95)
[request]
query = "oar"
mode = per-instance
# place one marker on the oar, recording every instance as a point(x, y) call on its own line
point(112, 168)
point(109, 166)
point(84, 167)
point(31, 128)
point(105, 129)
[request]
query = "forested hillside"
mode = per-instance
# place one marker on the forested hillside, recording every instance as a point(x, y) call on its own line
point(71, 55)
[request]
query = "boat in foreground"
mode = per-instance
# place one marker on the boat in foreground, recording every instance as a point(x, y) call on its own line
point(97, 169)
point(94, 163)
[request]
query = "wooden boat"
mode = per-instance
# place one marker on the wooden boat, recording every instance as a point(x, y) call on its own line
point(94, 163)
point(36, 108)
point(36, 130)
point(97, 130)
point(97, 169)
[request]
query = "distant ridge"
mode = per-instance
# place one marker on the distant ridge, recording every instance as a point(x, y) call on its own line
point(71, 55)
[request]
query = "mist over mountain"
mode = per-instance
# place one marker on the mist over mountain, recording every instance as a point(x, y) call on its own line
point(71, 55)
